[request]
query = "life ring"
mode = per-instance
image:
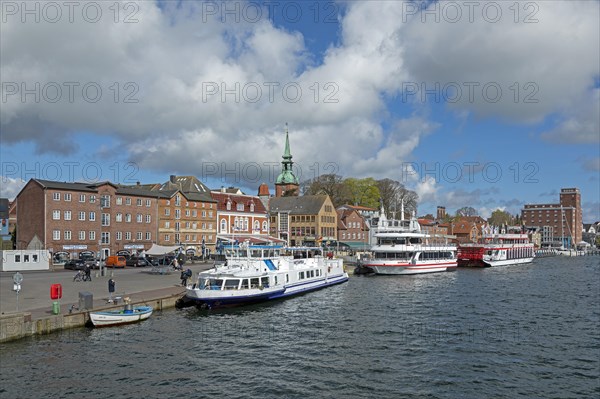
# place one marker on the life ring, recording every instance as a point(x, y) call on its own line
point(260, 287)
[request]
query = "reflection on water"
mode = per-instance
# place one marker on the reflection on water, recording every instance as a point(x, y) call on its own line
point(516, 331)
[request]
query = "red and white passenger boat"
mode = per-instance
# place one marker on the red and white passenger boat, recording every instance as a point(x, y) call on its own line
point(401, 248)
point(497, 249)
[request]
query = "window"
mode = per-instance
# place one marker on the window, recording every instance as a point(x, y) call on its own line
point(82, 215)
point(119, 217)
point(127, 201)
point(167, 237)
point(177, 214)
point(81, 235)
point(203, 226)
point(119, 236)
point(177, 226)
point(105, 219)
point(256, 225)
point(194, 213)
point(119, 200)
point(265, 226)
point(167, 212)
point(92, 199)
point(148, 236)
point(138, 202)
point(148, 203)
point(252, 207)
point(203, 214)
point(67, 215)
point(223, 226)
point(177, 200)
point(56, 235)
point(187, 213)
point(177, 238)
point(139, 218)
point(228, 205)
point(128, 235)
point(168, 202)
point(92, 235)
point(194, 226)
point(105, 237)
point(138, 236)
point(128, 217)
point(105, 201)
point(187, 238)
point(167, 224)
point(148, 218)
point(240, 207)
point(81, 197)
point(56, 196)
point(55, 215)
point(67, 235)
point(210, 214)
point(67, 196)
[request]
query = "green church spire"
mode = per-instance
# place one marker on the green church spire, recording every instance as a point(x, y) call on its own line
point(287, 175)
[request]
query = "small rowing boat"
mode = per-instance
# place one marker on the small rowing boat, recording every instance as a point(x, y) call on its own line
point(129, 314)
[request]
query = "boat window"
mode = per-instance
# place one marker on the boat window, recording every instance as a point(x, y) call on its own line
point(245, 284)
point(301, 275)
point(232, 284)
point(275, 280)
point(256, 253)
point(415, 240)
point(287, 278)
point(254, 282)
point(264, 281)
point(216, 284)
point(204, 284)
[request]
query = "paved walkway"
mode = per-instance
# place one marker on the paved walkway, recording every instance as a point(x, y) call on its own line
point(137, 283)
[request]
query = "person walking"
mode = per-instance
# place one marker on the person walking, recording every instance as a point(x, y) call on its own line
point(184, 278)
point(88, 272)
point(111, 289)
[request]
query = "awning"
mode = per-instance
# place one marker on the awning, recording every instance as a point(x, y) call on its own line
point(161, 249)
point(355, 245)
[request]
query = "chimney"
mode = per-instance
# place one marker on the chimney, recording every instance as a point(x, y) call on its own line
point(223, 190)
point(173, 179)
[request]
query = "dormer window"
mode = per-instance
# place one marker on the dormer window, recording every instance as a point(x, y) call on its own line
point(228, 205)
point(240, 207)
point(252, 207)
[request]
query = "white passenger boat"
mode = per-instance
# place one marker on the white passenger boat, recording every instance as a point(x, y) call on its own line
point(401, 248)
point(129, 314)
point(256, 273)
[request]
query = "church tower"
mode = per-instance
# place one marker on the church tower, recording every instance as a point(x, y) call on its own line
point(286, 183)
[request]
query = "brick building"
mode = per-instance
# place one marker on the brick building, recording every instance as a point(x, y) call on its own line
point(563, 221)
point(352, 229)
point(77, 218)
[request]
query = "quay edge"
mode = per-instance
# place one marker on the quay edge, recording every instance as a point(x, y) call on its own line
point(14, 326)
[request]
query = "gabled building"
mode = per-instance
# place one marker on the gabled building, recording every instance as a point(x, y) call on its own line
point(352, 229)
point(187, 215)
point(305, 220)
point(241, 218)
point(467, 228)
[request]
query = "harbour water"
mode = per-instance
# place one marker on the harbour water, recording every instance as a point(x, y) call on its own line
point(507, 332)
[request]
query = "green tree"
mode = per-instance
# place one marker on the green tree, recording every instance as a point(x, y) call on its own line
point(363, 192)
point(500, 217)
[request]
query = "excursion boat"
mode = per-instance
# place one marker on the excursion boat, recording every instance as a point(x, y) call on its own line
point(496, 249)
point(401, 248)
point(257, 273)
point(129, 314)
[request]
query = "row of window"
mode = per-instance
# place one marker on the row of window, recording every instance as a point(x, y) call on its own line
point(241, 225)
point(177, 238)
point(104, 217)
point(188, 225)
point(327, 219)
point(309, 274)
point(353, 236)
point(302, 218)
point(239, 206)
point(188, 213)
point(105, 200)
point(104, 236)
point(354, 225)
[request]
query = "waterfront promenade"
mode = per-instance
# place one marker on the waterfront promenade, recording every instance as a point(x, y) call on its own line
point(34, 303)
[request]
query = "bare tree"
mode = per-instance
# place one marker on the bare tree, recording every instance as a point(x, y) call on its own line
point(467, 211)
point(393, 194)
point(330, 184)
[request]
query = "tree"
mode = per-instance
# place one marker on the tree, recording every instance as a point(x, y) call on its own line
point(393, 195)
point(500, 217)
point(363, 192)
point(466, 211)
point(330, 184)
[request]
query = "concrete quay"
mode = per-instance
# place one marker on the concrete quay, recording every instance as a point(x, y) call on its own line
point(34, 314)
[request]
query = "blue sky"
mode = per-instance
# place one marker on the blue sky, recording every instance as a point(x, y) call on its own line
point(162, 69)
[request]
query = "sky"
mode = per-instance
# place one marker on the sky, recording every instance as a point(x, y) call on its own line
point(491, 105)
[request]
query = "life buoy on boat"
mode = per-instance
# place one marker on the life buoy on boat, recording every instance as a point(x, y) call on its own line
point(260, 287)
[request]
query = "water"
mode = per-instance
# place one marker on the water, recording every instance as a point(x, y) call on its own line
point(507, 332)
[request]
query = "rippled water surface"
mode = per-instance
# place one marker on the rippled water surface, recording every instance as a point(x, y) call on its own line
point(507, 332)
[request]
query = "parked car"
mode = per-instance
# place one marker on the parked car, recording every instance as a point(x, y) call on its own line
point(136, 261)
point(75, 264)
point(115, 261)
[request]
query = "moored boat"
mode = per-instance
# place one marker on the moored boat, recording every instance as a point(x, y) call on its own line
point(401, 248)
point(257, 273)
point(129, 314)
point(496, 249)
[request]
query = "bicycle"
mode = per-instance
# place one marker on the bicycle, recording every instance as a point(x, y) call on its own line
point(81, 276)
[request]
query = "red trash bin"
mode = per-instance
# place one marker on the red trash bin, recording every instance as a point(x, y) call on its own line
point(55, 291)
